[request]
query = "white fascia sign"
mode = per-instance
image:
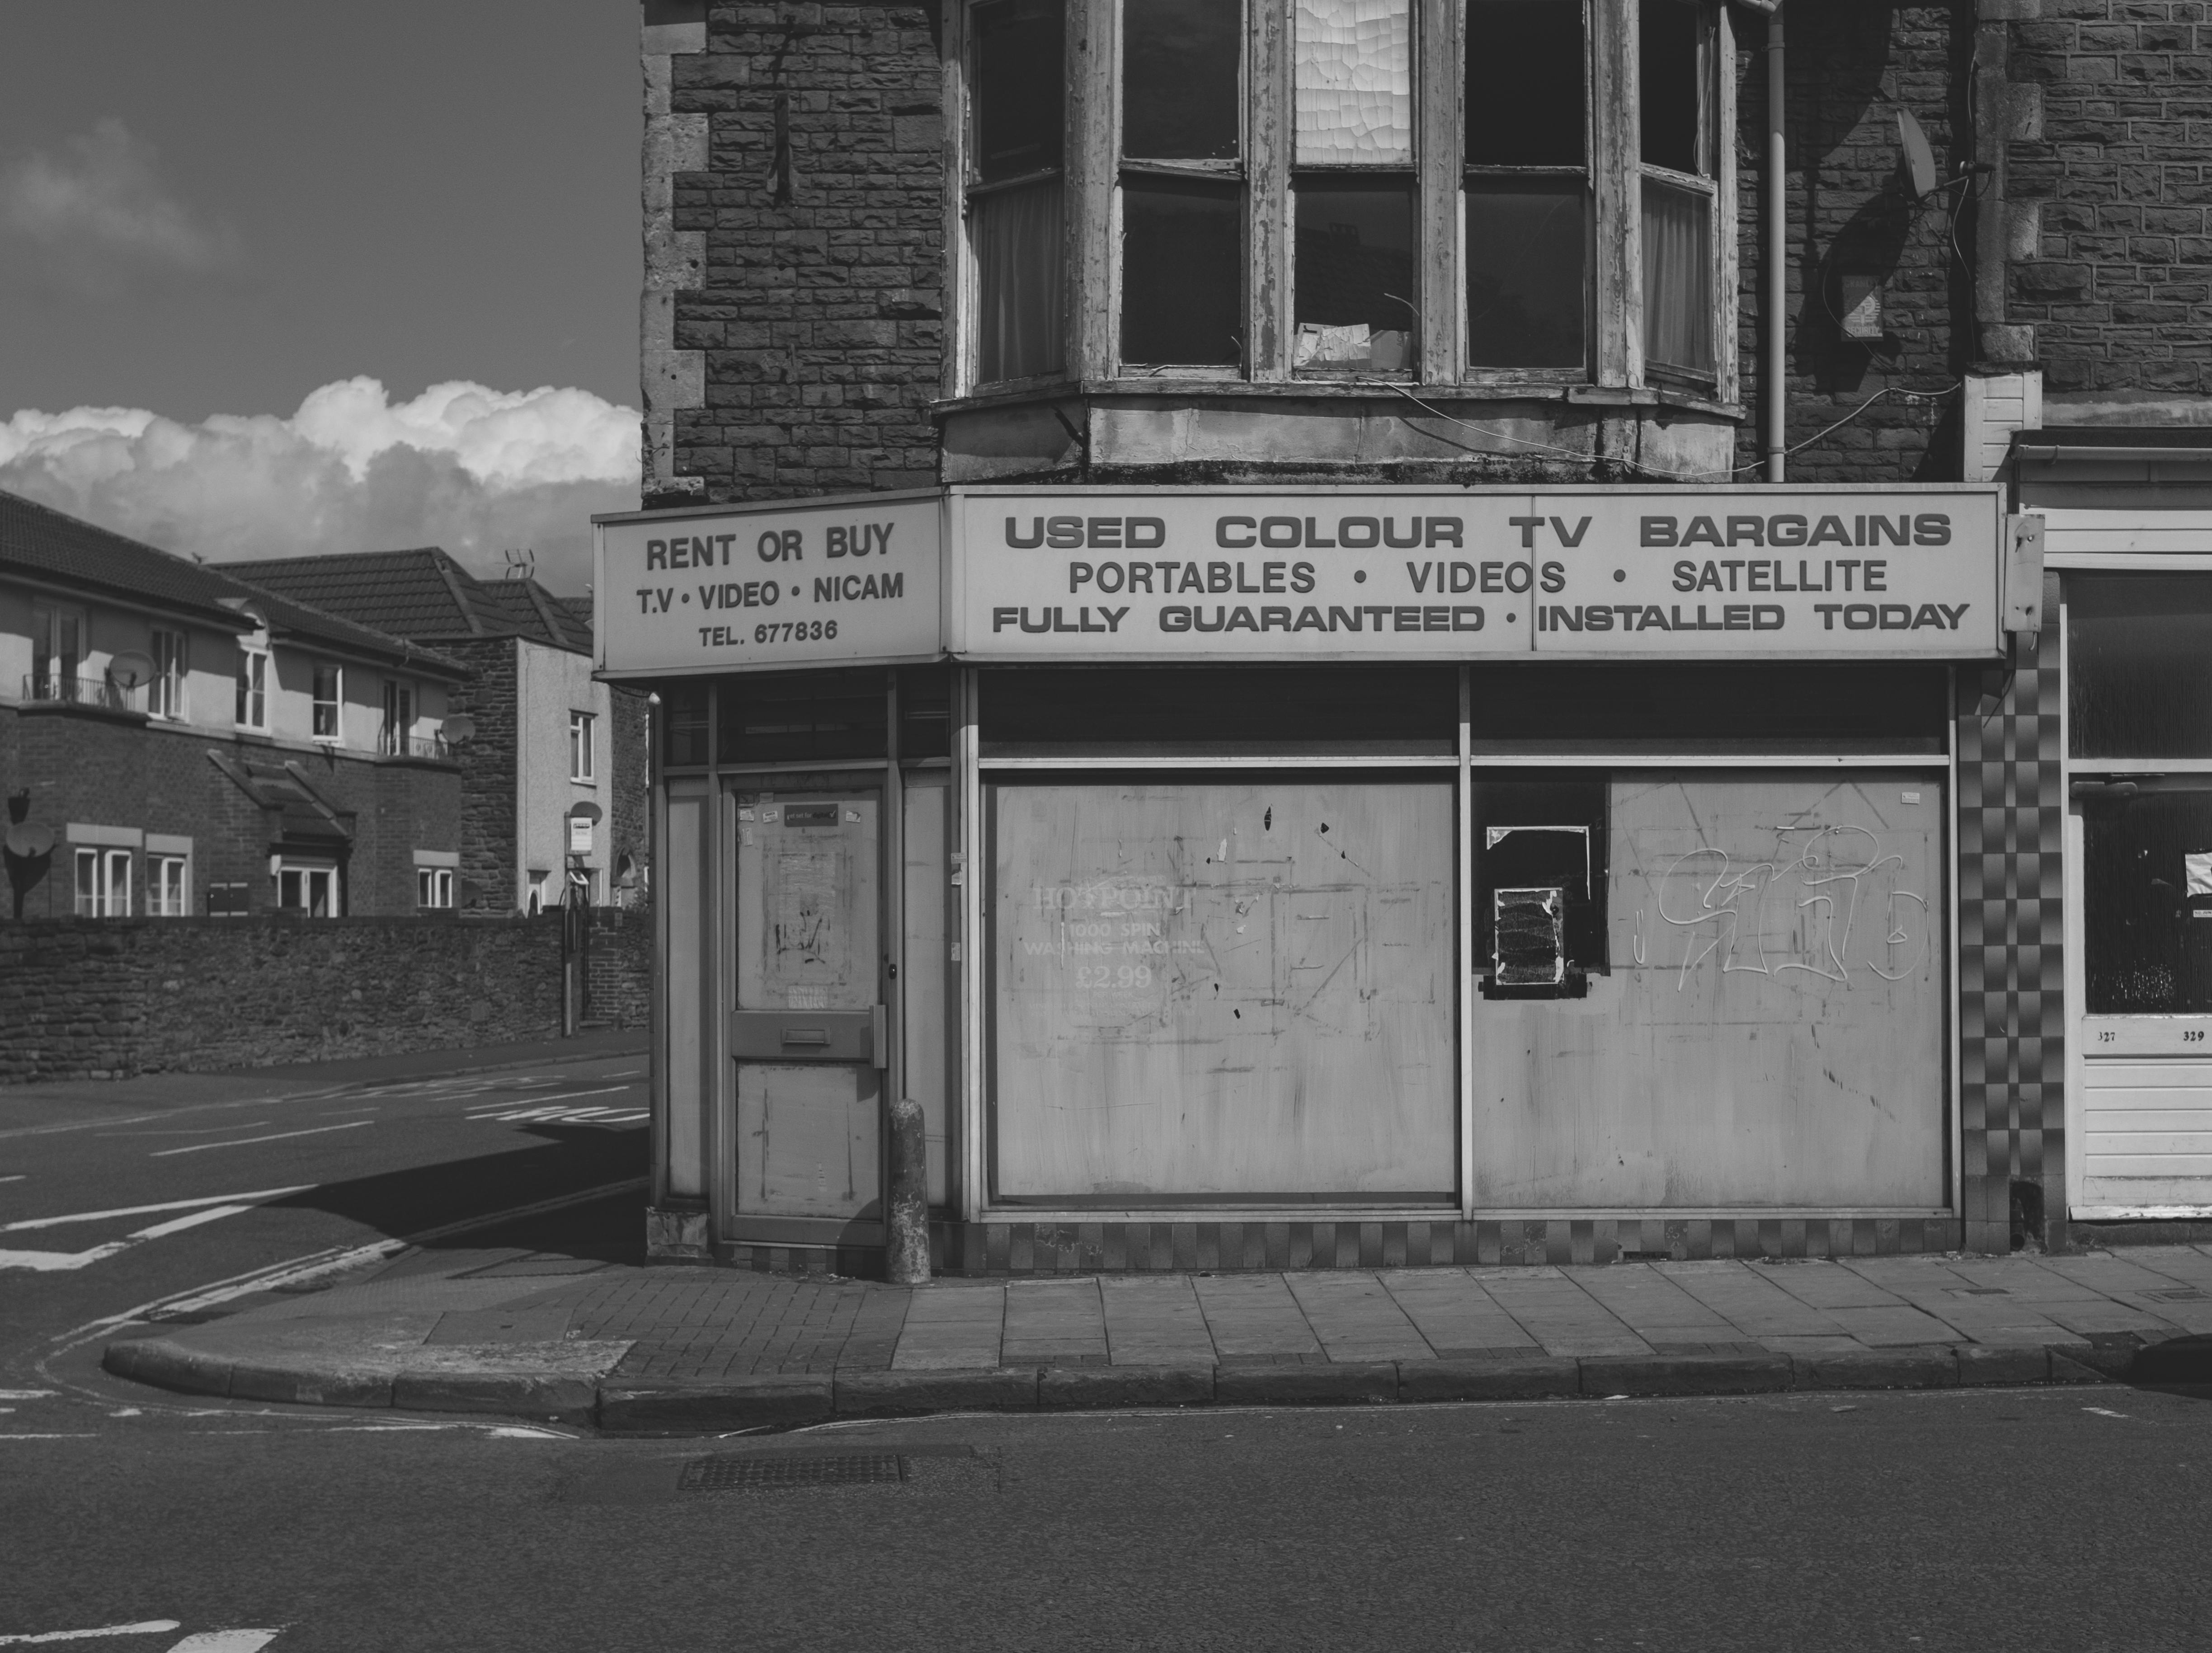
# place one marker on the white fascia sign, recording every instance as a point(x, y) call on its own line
point(1744, 572)
point(852, 580)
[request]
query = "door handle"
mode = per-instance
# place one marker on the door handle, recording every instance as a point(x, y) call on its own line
point(815, 1036)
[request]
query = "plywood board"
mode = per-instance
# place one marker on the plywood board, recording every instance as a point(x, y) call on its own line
point(2147, 1133)
point(1771, 1032)
point(807, 1136)
point(1236, 989)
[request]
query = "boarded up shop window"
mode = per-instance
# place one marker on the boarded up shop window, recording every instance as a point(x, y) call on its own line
point(1771, 1029)
point(1223, 991)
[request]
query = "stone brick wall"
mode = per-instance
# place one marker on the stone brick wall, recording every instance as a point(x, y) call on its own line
point(620, 981)
point(489, 880)
point(2112, 191)
point(823, 215)
point(86, 999)
point(1851, 68)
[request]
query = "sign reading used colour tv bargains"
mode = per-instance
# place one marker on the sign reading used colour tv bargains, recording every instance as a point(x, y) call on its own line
point(811, 582)
point(1323, 573)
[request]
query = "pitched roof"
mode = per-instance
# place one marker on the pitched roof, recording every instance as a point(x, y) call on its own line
point(289, 616)
point(423, 594)
point(39, 541)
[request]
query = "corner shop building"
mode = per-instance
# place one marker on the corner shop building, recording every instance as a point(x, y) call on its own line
point(1307, 876)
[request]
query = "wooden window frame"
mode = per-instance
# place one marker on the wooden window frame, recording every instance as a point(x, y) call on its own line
point(1093, 167)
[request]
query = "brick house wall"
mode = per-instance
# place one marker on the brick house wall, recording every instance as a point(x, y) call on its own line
point(81, 765)
point(823, 215)
point(488, 769)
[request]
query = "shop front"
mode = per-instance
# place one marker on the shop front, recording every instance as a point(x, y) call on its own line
point(1297, 876)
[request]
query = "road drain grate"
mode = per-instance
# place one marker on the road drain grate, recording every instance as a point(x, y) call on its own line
point(773, 1472)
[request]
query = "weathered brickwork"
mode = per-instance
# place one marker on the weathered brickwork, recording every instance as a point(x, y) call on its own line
point(823, 213)
point(2116, 187)
point(489, 760)
point(89, 999)
point(620, 977)
point(1850, 71)
point(78, 765)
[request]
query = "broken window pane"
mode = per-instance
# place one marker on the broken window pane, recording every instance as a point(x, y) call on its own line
point(1021, 269)
point(1670, 91)
point(2137, 646)
point(1525, 259)
point(1181, 272)
point(1019, 73)
point(1354, 275)
point(1179, 79)
point(1525, 64)
point(1678, 277)
point(1354, 76)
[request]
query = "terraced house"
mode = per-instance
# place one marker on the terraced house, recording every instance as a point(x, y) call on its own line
point(1413, 631)
point(177, 743)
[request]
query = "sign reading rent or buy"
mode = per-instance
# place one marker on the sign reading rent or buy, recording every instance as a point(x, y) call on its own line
point(1608, 572)
point(804, 582)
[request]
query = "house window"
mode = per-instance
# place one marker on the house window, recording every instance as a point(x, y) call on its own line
point(253, 688)
point(165, 694)
point(1352, 186)
point(1254, 187)
point(1182, 183)
point(433, 886)
point(57, 654)
point(1677, 146)
point(581, 759)
point(103, 883)
point(1016, 192)
point(329, 698)
point(394, 738)
point(228, 900)
point(166, 895)
point(308, 888)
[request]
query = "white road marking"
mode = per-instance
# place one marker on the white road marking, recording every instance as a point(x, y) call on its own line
point(17, 1177)
point(143, 1628)
point(2105, 1412)
point(226, 1641)
point(248, 1141)
point(10, 1435)
point(199, 1130)
point(148, 1211)
point(542, 1102)
point(335, 1261)
point(56, 1261)
point(28, 1395)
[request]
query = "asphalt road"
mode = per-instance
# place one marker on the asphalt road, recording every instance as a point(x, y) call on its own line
point(109, 1202)
point(2070, 1521)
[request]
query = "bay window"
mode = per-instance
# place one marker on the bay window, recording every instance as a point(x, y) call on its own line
point(1434, 191)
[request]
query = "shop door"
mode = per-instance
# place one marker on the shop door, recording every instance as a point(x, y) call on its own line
point(807, 1031)
point(2141, 848)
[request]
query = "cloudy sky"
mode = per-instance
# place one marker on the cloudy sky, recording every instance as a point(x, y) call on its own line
point(284, 276)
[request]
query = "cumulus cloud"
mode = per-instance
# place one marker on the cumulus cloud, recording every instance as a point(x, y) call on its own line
point(475, 470)
point(100, 199)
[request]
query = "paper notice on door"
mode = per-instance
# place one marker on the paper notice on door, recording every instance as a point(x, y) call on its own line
point(2199, 871)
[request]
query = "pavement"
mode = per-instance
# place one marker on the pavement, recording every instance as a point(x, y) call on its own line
point(672, 1349)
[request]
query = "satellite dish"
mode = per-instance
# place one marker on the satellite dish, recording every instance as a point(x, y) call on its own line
point(1919, 159)
point(591, 812)
point(459, 727)
point(28, 844)
point(131, 669)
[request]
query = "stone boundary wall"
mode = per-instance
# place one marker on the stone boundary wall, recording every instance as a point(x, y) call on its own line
point(99, 998)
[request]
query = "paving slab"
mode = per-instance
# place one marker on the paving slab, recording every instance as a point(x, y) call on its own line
point(1055, 1319)
point(1154, 1321)
point(1255, 1316)
point(1354, 1317)
point(1757, 1306)
point(1452, 1312)
point(1656, 1308)
point(952, 1328)
point(1562, 1316)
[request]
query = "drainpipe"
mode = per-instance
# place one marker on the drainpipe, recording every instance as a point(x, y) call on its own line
point(1776, 301)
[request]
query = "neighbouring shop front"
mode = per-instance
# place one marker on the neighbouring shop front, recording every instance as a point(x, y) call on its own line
point(1246, 877)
